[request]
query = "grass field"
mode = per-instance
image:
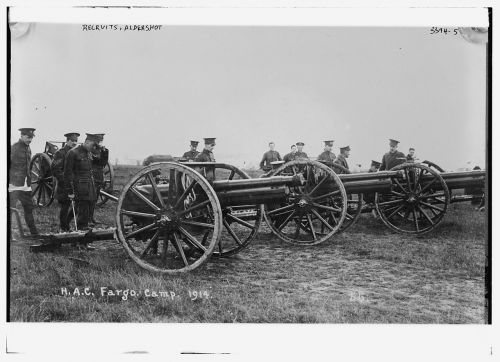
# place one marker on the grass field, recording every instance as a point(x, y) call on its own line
point(367, 275)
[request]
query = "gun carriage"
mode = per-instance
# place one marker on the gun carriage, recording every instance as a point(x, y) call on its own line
point(171, 217)
point(44, 185)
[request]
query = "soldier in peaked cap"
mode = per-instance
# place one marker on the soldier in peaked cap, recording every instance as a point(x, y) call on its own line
point(300, 154)
point(100, 157)
point(342, 158)
point(57, 167)
point(393, 157)
point(327, 156)
point(192, 153)
point(207, 155)
point(20, 176)
point(79, 179)
point(291, 156)
point(269, 157)
point(374, 166)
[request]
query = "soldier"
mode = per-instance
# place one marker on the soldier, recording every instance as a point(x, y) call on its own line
point(369, 197)
point(327, 156)
point(191, 154)
point(410, 157)
point(393, 157)
point(300, 154)
point(291, 156)
point(342, 158)
point(100, 157)
point(20, 177)
point(268, 157)
point(374, 166)
point(79, 181)
point(57, 167)
point(207, 156)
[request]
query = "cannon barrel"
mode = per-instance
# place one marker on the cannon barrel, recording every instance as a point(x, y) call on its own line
point(254, 196)
point(257, 183)
point(460, 180)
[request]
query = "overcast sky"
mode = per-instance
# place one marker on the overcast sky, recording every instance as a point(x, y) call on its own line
point(151, 92)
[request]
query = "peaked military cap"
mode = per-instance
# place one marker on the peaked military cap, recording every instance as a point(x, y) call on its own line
point(27, 132)
point(93, 137)
point(411, 149)
point(73, 136)
point(292, 146)
point(376, 164)
point(100, 136)
point(209, 141)
point(393, 142)
point(194, 143)
point(328, 143)
point(300, 143)
point(345, 148)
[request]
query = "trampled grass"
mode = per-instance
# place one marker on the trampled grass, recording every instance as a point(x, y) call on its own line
point(369, 274)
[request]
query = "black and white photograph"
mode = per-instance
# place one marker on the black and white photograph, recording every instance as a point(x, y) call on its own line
point(257, 171)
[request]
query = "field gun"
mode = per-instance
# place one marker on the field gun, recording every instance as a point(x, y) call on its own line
point(172, 216)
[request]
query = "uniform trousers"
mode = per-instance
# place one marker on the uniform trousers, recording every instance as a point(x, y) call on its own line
point(27, 202)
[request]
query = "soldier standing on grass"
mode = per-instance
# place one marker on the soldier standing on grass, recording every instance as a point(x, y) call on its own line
point(268, 157)
point(57, 167)
point(20, 176)
point(192, 153)
point(100, 158)
point(393, 157)
point(79, 181)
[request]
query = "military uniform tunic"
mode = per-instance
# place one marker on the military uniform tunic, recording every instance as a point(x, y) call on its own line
point(327, 156)
point(208, 172)
point(79, 180)
point(267, 158)
point(289, 157)
point(190, 155)
point(20, 181)
point(390, 160)
point(57, 166)
point(205, 156)
point(342, 161)
point(301, 155)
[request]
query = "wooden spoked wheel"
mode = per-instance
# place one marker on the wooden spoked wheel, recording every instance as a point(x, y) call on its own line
point(107, 185)
point(167, 227)
point(42, 183)
point(312, 213)
point(241, 222)
point(354, 201)
point(354, 207)
point(417, 202)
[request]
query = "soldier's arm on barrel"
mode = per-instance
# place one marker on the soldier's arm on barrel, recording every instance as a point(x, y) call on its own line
point(279, 157)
